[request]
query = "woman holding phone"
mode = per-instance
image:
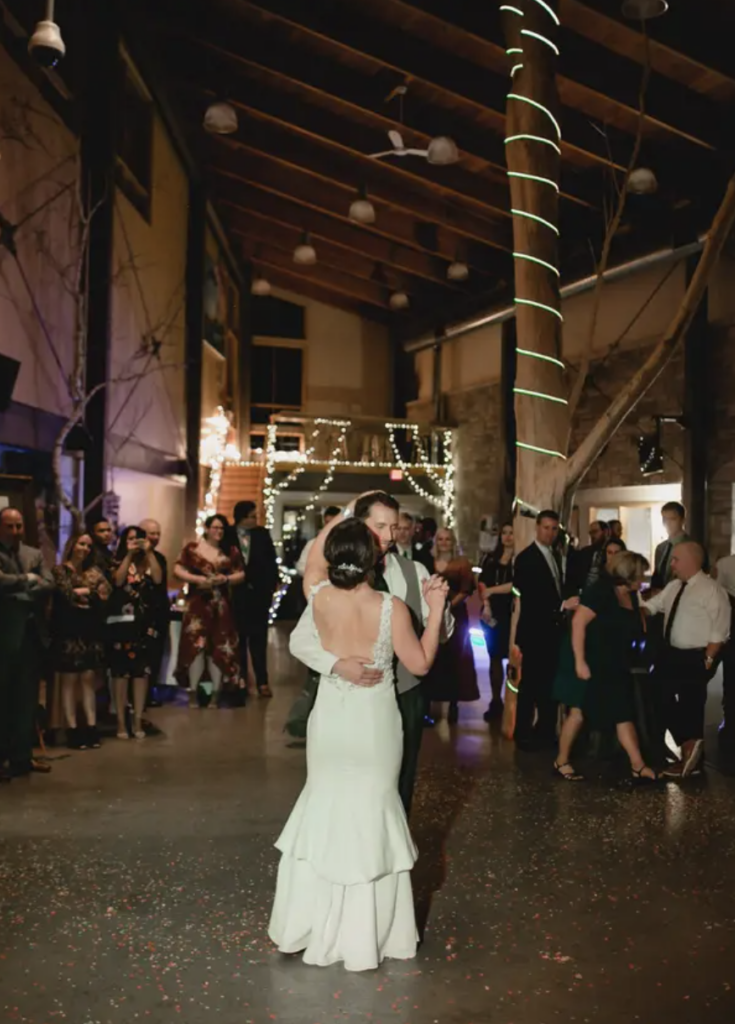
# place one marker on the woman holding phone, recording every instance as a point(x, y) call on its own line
point(131, 625)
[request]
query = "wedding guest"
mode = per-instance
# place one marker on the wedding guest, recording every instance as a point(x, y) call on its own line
point(453, 677)
point(586, 564)
point(423, 545)
point(101, 533)
point(329, 514)
point(616, 529)
point(253, 600)
point(613, 547)
point(25, 584)
point(162, 616)
point(673, 517)
point(78, 643)
point(496, 586)
point(539, 623)
point(724, 573)
point(594, 679)
point(696, 612)
point(209, 567)
point(131, 626)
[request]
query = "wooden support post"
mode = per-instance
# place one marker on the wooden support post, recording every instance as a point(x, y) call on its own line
point(696, 413)
point(507, 436)
point(100, 92)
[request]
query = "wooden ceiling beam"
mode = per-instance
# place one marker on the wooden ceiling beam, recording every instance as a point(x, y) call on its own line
point(351, 113)
point(247, 166)
point(254, 228)
point(478, 91)
point(276, 140)
point(288, 281)
point(267, 255)
point(591, 77)
point(236, 198)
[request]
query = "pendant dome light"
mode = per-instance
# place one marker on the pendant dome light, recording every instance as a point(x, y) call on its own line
point(644, 10)
point(220, 118)
point(458, 270)
point(362, 210)
point(641, 182)
point(260, 286)
point(442, 151)
point(305, 253)
point(399, 301)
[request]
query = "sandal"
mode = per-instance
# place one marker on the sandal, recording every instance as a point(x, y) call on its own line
point(571, 776)
point(265, 691)
point(639, 779)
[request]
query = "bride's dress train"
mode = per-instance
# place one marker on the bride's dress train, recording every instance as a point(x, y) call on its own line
point(344, 885)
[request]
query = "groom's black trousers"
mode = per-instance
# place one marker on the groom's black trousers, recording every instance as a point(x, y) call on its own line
point(411, 706)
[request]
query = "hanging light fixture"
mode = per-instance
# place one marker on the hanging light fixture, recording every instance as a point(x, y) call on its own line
point(442, 151)
point(458, 270)
point(220, 118)
point(362, 210)
point(641, 182)
point(46, 45)
point(260, 286)
point(305, 253)
point(399, 301)
point(644, 10)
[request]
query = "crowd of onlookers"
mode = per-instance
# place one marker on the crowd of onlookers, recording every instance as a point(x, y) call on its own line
point(94, 629)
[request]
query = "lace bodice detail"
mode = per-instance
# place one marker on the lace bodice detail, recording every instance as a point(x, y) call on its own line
point(383, 647)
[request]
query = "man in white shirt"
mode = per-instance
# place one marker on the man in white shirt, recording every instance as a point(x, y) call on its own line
point(696, 614)
point(403, 579)
point(725, 575)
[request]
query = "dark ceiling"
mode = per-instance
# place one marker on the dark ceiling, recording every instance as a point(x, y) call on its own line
point(311, 81)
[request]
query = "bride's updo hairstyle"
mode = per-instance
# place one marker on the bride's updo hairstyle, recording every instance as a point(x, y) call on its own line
point(350, 552)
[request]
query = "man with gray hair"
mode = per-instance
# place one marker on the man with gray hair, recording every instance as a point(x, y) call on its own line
point(696, 614)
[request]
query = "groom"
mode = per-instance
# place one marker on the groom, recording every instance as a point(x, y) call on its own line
point(403, 579)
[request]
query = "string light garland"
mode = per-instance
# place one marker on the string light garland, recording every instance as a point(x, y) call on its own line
point(539, 305)
point(541, 394)
point(513, 10)
point(539, 106)
point(525, 137)
point(535, 217)
point(535, 259)
point(440, 502)
point(540, 355)
point(542, 451)
point(327, 481)
point(212, 453)
point(515, 69)
point(541, 39)
point(534, 177)
point(552, 13)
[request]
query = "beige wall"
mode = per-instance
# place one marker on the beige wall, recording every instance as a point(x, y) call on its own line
point(37, 159)
point(347, 361)
point(148, 298)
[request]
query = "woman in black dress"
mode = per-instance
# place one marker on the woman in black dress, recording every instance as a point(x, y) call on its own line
point(594, 679)
point(132, 625)
point(496, 586)
point(78, 637)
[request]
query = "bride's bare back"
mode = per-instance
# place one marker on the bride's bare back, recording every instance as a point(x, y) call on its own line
point(348, 621)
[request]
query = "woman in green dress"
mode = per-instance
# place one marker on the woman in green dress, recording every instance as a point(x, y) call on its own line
point(594, 678)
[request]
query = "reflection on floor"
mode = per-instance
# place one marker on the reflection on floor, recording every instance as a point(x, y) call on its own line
point(136, 884)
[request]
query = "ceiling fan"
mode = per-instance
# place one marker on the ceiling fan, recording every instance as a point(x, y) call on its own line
point(441, 151)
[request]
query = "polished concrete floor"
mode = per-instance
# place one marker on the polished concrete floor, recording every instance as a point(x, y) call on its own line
point(136, 883)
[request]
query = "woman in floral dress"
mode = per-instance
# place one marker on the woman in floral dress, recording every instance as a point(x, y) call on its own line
point(78, 637)
point(131, 625)
point(209, 567)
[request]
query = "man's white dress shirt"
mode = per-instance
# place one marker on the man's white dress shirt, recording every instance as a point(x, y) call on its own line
point(323, 662)
point(703, 615)
point(726, 574)
point(405, 552)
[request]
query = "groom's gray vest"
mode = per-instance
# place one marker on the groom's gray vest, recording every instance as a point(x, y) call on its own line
point(404, 680)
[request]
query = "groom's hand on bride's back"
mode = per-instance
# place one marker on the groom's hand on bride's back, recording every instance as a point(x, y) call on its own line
point(356, 671)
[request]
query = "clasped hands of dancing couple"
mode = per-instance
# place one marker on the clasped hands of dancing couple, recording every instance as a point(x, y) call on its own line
point(344, 887)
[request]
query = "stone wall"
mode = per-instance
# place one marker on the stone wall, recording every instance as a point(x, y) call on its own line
point(618, 464)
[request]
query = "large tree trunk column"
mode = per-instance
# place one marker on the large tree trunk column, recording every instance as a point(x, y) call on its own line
point(533, 157)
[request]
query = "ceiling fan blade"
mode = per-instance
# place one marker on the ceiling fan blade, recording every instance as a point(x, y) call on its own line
point(416, 152)
point(396, 139)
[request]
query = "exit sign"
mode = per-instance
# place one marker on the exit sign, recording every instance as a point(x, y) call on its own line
point(396, 475)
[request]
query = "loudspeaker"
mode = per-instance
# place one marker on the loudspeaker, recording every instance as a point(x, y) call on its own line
point(8, 376)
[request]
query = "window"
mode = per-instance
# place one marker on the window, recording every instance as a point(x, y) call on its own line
point(276, 381)
point(135, 140)
point(277, 318)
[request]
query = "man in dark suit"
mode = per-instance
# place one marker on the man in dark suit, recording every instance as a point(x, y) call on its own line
point(586, 565)
point(101, 533)
point(406, 545)
point(423, 542)
point(673, 517)
point(252, 600)
point(539, 621)
point(25, 584)
point(162, 618)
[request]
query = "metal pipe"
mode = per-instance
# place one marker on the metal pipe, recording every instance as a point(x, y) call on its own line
point(585, 284)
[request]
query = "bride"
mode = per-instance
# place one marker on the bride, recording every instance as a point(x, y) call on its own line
point(344, 885)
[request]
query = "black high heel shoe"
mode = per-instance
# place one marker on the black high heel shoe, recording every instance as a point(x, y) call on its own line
point(639, 779)
point(571, 776)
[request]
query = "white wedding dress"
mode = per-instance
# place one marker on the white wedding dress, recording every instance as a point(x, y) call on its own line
point(344, 885)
